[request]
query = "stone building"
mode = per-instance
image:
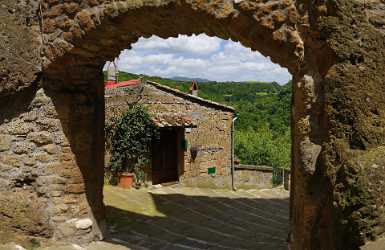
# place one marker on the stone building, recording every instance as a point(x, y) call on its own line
point(194, 147)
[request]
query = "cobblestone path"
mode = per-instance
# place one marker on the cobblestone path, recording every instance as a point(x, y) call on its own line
point(192, 218)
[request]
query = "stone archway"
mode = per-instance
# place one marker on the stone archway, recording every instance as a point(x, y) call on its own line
point(338, 115)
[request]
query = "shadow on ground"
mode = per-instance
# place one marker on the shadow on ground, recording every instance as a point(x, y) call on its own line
point(145, 220)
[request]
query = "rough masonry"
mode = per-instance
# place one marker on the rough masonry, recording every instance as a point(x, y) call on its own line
point(52, 106)
point(200, 125)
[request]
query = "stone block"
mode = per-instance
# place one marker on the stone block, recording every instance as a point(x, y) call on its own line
point(66, 229)
point(11, 246)
point(42, 190)
point(76, 178)
point(85, 20)
point(60, 208)
point(59, 218)
point(83, 223)
point(25, 211)
point(23, 147)
point(49, 26)
point(56, 187)
point(60, 139)
point(42, 157)
point(10, 160)
point(70, 199)
point(49, 124)
point(53, 167)
point(29, 161)
point(55, 11)
point(47, 180)
point(51, 149)
point(71, 8)
point(40, 138)
point(19, 128)
point(5, 142)
point(55, 193)
point(66, 155)
point(4, 184)
point(75, 188)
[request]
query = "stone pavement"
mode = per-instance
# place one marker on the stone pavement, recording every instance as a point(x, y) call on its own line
point(192, 218)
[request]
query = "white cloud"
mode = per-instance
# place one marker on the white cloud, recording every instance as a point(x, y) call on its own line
point(200, 44)
point(200, 56)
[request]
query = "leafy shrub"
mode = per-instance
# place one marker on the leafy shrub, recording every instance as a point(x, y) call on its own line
point(129, 139)
point(260, 147)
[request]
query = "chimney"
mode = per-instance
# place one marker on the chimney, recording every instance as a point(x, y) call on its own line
point(194, 88)
point(112, 72)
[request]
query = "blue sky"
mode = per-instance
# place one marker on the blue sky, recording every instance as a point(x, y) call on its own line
point(199, 56)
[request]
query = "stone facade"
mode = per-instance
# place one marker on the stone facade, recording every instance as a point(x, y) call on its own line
point(209, 128)
point(43, 193)
point(334, 50)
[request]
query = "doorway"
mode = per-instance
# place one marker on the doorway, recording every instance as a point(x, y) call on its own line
point(166, 156)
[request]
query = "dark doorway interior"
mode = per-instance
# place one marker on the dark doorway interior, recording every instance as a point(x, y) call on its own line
point(165, 156)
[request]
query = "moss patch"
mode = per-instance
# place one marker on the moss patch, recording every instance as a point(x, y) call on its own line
point(359, 198)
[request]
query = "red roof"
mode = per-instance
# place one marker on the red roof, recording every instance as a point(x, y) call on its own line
point(113, 84)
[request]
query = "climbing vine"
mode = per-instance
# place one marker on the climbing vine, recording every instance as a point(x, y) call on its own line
point(129, 138)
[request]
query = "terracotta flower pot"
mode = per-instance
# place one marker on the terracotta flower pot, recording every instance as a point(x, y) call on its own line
point(126, 180)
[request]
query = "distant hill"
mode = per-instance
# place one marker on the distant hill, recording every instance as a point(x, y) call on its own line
point(224, 92)
point(188, 79)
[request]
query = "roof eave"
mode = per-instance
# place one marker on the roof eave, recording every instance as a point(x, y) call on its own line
point(192, 97)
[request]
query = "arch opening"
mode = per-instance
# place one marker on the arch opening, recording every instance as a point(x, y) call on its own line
point(157, 61)
point(73, 65)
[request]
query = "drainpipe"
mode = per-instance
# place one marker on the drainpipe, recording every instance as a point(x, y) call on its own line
point(232, 154)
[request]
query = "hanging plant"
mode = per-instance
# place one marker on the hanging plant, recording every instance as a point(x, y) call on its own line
point(129, 139)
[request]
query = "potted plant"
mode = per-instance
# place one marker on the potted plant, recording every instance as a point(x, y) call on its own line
point(130, 137)
point(126, 180)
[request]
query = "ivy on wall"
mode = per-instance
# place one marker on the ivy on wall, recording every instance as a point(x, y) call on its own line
point(129, 138)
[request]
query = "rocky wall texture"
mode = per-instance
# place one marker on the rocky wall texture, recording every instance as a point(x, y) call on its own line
point(211, 134)
point(253, 178)
point(82, 35)
point(20, 45)
point(266, 26)
point(338, 126)
point(243, 179)
point(333, 48)
point(43, 188)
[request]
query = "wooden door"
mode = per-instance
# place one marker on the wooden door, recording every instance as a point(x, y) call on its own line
point(165, 157)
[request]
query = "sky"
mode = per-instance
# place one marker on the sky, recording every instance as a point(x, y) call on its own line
point(199, 57)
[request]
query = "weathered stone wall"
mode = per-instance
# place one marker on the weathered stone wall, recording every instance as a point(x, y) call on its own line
point(338, 127)
point(257, 178)
point(247, 177)
point(45, 188)
point(43, 185)
point(211, 134)
point(82, 35)
point(20, 45)
point(266, 26)
point(334, 49)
